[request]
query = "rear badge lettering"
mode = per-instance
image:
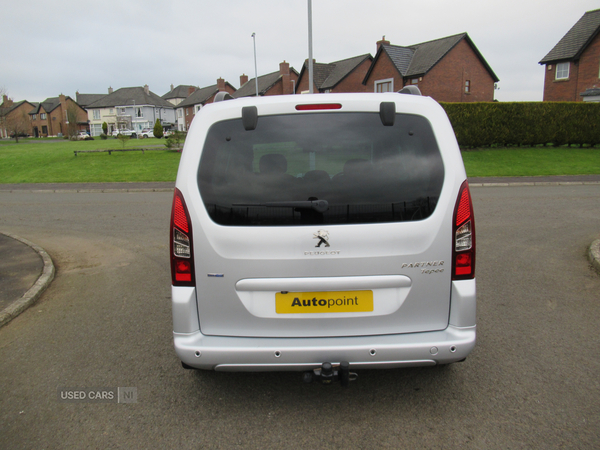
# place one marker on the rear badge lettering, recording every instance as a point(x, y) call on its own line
point(330, 252)
point(423, 264)
point(427, 267)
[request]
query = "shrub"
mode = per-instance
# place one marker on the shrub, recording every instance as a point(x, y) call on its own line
point(524, 123)
point(103, 136)
point(158, 129)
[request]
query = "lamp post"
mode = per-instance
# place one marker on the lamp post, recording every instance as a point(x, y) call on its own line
point(255, 67)
point(310, 56)
point(133, 113)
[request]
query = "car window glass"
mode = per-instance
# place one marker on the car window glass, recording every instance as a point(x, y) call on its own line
point(364, 171)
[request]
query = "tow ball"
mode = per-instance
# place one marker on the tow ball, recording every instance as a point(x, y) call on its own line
point(328, 374)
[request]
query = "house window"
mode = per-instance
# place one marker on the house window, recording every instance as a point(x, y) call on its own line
point(43, 116)
point(96, 114)
point(122, 111)
point(44, 129)
point(139, 113)
point(111, 111)
point(467, 86)
point(384, 85)
point(198, 108)
point(34, 117)
point(96, 129)
point(562, 71)
point(414, 81)
point(180, 112)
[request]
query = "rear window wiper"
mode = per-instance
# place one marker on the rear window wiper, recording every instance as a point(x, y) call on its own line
point(316, 205)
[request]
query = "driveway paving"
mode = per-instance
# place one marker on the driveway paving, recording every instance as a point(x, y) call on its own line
point(105, 323)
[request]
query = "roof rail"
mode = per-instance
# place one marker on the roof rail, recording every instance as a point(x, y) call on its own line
point(410, 89)
point(222, 96)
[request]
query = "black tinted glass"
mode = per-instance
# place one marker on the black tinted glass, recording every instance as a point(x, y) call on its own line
point(320, 168)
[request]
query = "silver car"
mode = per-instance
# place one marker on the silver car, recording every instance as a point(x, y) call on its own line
point(312, 232)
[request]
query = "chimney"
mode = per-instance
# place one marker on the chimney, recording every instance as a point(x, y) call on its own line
point(284, 70)
point(221, 84)
point(5, 102)
point(110, 90)
point(191, 90)
point(172, 87)
point(243, 79)
point(146, 89)
point(382, 42)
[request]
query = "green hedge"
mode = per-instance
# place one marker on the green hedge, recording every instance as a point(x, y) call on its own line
point(524, 123)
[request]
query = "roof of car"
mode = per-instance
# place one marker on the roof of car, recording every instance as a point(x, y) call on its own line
point(576, 40)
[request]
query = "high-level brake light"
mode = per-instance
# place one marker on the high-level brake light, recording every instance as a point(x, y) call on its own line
point(182, 261)
point(318, 107)
point(463, 230)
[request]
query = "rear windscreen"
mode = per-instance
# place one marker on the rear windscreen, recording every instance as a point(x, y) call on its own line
point(320, 168)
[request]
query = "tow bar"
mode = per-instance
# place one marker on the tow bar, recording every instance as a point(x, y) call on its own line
point(328, 373)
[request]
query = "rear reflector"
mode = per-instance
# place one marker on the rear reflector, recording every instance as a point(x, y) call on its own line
point(463, 231)
point(318, 107)
point(182, 257)
point(179, 216)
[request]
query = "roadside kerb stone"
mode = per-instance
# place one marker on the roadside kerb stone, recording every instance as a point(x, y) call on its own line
point(34, 293)
point(594, 255)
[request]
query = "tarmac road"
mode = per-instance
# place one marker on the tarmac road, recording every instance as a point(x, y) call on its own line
point(105, 322)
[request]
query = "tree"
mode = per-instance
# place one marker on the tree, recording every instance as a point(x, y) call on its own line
point(104, 127)
point(123, 138)
point(17, 125)
point(72, 119)
point(158, 129)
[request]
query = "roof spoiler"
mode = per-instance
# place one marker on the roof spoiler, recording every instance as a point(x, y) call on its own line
point(410, 89)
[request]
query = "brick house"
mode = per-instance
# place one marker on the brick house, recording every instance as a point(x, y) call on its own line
point(15, 117)
point(187, 109)
point(449, 69)
point(54, 117)
point(275, 83)
point(177, 95)
point(132, 108)
point(573, 65)
point(346, 75)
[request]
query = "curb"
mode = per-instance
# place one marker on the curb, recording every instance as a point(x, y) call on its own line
point(86, 191)
point(38, 288)
point(594, 255)
point(536, 183)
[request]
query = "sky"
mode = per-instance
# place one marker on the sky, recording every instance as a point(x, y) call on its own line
point(52, 48)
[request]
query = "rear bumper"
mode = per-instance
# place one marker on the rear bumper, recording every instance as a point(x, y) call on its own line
point(237, 354)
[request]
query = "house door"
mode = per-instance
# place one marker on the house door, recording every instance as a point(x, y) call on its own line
point(36, 133)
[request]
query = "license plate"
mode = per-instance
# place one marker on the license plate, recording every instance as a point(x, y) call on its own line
point(323, 302)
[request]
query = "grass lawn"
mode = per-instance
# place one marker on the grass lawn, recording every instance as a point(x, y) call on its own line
point(531, 162)
point(53, 161)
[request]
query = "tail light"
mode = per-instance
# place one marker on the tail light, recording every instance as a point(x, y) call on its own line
point(182, 254)
point(463, 232)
